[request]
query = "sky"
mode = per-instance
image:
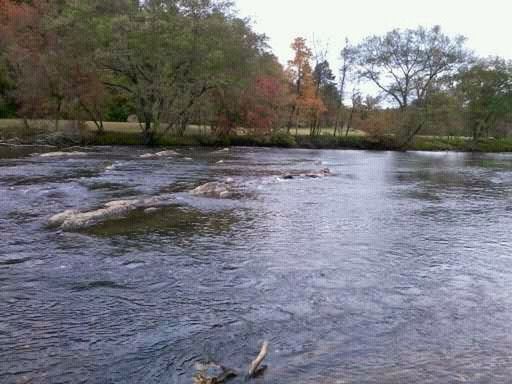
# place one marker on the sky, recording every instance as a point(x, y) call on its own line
point(487, 24)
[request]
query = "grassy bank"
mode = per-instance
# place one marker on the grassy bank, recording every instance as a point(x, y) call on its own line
point(320, 142)
point(461, 144)
point(129, 134)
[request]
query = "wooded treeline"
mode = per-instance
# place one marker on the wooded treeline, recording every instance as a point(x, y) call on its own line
point(175, 63)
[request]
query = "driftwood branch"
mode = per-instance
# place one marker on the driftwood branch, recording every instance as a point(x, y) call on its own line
point(212, 373)
point(253, 369)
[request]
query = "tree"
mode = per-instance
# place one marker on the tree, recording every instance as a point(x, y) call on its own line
point(49, 72)
point(236, 56)
point(73, 25)
point(265, 99)
point(406, 64)
point(170, 55)
point(344, 115)
point(169, 59)
point(327, 92)
point(36, 90)
point(486, 89)
point(306, 105)
point(7, 104)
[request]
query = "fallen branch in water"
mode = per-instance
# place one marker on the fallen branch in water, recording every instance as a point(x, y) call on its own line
point(253, 369)
point(212, 373)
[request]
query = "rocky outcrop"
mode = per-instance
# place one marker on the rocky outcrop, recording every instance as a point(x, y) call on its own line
point(212, 373)
point(229, 188)
point(74, 220)
point(312, 175)
point(218, 189)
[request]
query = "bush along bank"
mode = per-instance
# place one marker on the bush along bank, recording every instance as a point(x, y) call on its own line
point(277, 140)
point(283, 140)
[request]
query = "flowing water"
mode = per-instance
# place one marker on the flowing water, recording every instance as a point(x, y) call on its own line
point(396, 269)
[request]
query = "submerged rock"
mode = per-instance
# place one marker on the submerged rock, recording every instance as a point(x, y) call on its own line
point(214, 189)
point(313, 175)
point(63, 154)
point(212, 373)
point(167, 153)
point(157, 155)
point(230, 188)
point(322, 173)
point(74, 220)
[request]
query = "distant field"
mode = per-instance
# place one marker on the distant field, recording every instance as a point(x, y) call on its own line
point(325, 131)
point(109, 126)
point(121, 127)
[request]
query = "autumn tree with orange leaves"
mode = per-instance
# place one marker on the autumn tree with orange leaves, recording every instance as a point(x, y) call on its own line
point(306, 104)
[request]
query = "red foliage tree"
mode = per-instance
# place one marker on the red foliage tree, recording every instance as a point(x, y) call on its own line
point(262, 103)
point(51, 63)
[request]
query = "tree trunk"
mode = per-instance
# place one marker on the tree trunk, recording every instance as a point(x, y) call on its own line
point(96, 118)
point(101, 128)
point(26, 124)
point(57, 114)
point(411, 136)
point(349, 122)
point(182, 127)
point(148, 133)
point(290, 120)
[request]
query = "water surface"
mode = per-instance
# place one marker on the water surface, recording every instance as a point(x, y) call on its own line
point(396, 269)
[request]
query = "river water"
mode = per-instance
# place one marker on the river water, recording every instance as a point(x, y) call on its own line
point(396, 269)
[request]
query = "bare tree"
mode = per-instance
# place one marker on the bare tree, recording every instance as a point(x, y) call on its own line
point(347, 63)
point(405, 65)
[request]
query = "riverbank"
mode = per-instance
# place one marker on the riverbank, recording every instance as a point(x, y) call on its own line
point(86, 137)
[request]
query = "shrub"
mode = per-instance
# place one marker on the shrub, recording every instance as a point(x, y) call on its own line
point(282, 139)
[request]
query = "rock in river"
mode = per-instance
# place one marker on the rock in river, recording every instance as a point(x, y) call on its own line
point(157, 155)
point(220, 190)
point(74, 220)
point(313, 175)
point(63, 154)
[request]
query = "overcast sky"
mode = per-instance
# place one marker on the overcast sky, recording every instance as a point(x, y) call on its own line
point(487, 24)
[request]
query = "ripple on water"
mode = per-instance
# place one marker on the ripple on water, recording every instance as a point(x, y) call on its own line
point(100, 284)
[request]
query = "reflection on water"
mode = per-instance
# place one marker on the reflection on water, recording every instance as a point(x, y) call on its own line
point(396, 269)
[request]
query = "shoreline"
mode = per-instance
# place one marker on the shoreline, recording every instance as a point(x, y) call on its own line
point(280, 140)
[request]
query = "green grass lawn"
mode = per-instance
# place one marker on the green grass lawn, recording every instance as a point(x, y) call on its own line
point(123, 127)
point(9, 124)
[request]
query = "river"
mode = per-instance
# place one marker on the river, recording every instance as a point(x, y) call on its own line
point(395, 269)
